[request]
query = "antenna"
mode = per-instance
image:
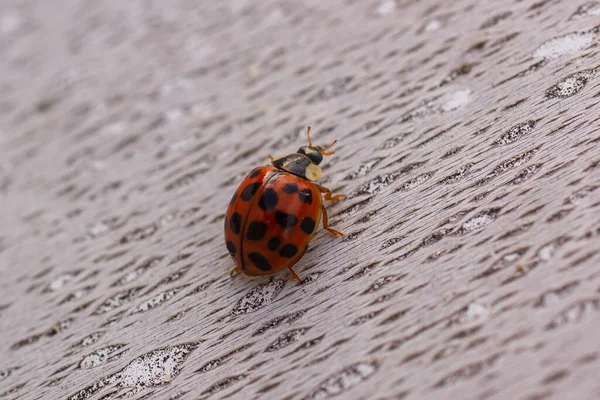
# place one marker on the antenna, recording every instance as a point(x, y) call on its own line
point(328, 153)
point(308, 135)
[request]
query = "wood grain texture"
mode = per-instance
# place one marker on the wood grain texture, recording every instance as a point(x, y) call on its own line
point(468, 148)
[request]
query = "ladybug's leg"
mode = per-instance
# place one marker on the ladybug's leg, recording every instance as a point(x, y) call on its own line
point(326, 223)
point(294, 261)
point(234, 271)
point(328, 196)
point(294, 274)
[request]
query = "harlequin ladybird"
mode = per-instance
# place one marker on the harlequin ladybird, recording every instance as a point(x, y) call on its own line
point(275, 211)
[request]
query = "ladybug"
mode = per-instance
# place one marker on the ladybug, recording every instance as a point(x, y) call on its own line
point(275, 211)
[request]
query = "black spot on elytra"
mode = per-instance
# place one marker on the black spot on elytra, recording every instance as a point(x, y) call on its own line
point(306, 196)
point(308, 225)
point(259, 261)
point(268, 201)
point(249, 191)
point(273, 243)
point(290, 188)
point(256, 230)
point(256, 172)
point(286, 220)
point(235, 222)
point(230, 248)
point(233, 198)
point(288, 251)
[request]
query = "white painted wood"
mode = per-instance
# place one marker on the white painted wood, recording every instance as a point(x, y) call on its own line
point(468, 148)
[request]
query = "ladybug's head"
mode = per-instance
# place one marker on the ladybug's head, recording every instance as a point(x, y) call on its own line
point(315, 153)
point(305, 162)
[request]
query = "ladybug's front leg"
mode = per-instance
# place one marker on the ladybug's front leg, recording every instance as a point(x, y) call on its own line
point(328, 196)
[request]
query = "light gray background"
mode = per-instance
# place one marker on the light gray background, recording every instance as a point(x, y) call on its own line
point(468, 148)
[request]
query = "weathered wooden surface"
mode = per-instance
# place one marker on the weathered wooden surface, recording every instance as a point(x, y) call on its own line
point(468, 147)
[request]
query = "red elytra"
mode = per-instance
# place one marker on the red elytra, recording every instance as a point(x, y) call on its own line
point(275, 211)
